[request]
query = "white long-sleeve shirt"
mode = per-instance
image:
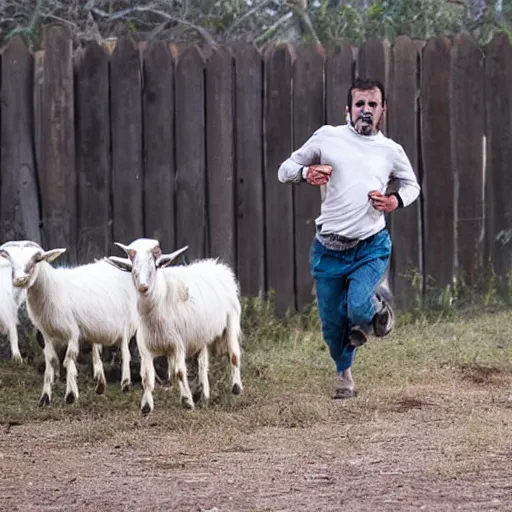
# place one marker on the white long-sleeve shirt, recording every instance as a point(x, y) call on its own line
point(360, 164)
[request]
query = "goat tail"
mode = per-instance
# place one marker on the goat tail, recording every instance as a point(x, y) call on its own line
point(231, 337)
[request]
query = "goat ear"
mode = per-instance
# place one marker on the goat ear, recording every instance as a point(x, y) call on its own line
point(123, 264)
point(126, 249)
point(51, 255)
point(167, 259)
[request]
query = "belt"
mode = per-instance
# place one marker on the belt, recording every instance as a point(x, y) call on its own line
point(339, 242)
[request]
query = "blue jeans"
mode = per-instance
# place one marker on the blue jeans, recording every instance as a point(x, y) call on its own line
point(345, 284)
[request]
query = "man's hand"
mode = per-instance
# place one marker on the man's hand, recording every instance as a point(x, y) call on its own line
point(318, 174)
point(383, 203)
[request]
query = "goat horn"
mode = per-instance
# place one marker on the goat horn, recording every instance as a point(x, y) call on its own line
point(175, 254)
point(122, 246)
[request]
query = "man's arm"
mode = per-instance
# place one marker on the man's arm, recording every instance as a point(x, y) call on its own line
point(293, 168)
point(408, 186)
point(404, 189)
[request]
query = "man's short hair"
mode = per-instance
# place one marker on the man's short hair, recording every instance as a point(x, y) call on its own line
point(365, 84)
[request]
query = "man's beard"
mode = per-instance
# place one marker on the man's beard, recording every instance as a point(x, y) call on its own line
point(364, 124)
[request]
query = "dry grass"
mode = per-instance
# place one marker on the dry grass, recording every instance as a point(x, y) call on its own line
point(424, 365)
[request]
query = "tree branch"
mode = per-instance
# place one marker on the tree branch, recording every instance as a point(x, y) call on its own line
point(274, 27)
point(249, 13)
point(124, 12)
point(32, 24)
point(304, 16)
point(58, 18)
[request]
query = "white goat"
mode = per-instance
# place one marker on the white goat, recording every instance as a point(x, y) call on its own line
point(11, 299)
point(92, 302)
point(183, 310)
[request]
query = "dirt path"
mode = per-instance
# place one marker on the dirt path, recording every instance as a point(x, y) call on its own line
point(414, 457)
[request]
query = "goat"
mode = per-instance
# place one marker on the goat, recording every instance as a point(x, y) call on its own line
point(91, 302)
point(11, 299)
point(183, 310)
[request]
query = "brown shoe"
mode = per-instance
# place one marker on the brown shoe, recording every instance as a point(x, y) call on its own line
point(343, 393)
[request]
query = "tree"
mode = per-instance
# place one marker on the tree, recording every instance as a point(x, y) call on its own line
point(258, 21)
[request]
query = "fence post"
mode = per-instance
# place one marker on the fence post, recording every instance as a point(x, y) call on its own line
point(37, 99)
point(373, 61)
point(403, 120)
point(19, 198)
point(159, 149)
point(498, 73)
point(438, 172)
point(308, 116)
point(126, 122)
point(468, 111)
point(92, 152)
point(59, 187)
point(249, 170)
point(278, 197)
point(339, 76)
point(220, 155)
point(190, 152)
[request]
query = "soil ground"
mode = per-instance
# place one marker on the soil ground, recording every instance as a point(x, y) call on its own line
point(412, 454)
point(429, 430)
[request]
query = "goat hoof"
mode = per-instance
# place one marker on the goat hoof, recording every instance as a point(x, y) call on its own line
point(145, 409)
point(125, 386)
point(44, 400)
point(236, 389)
point(17, 358)
point(186, 403)
point(70, 398)
point(100, 387)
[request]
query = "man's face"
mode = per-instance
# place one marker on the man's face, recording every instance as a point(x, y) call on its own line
point(366, 111)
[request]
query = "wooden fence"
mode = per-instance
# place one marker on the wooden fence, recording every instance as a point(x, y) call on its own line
point(182, 143)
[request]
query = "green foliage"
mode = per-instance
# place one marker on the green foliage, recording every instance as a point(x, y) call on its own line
point(258, 21)
point(343, 23)
point(426, 300)
point(419, 19)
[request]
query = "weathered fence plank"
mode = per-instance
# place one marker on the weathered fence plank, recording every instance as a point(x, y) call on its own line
point(498, 74)
point(37, 100)
point(19, 201)
point(308, 116)
point(249, 170)
point(159, 149)
point(219, 155)
point(373, 61)
point(58, 190)
point(438, 174)
point(92, 152)
point(279, 220)
point(126, 122)
point(339, 76)
point(468, 120)
point(190, 152)
point(403, 128)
